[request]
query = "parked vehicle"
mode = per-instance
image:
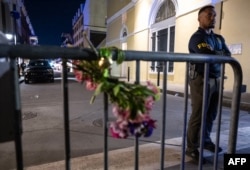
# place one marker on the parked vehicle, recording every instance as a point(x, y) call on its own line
point(38, 71)
point(57, 66)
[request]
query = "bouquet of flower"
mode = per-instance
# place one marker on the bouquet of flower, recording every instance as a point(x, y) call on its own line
point(132, 103)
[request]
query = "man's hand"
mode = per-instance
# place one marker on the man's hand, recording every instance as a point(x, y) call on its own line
point(222, 53)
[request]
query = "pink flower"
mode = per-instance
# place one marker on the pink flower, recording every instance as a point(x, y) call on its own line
point(120, 113)
point(114, 132)
point(122, 124)
point(79, 76)
point(115, 110)
point(76, 62)
point(119, 129)
point(90, 85)
point(152, 87)
point(131, 118)
point(149, 102)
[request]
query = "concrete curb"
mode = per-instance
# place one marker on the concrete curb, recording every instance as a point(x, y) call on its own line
point(123, 159)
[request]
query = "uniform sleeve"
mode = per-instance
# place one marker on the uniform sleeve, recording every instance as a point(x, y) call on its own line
point(225, 49)
point(197, 44)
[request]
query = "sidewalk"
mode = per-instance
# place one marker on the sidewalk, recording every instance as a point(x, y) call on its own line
point(227, 96)
point(149, 159)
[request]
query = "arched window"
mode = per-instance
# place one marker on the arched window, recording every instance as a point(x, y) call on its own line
point(124, 39)
point(167, 10)
point(124, 33)
point(163, 33)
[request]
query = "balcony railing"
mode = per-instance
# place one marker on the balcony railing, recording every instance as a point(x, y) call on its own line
point(13, 112)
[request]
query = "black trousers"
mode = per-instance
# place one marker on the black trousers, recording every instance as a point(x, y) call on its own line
point(194, 124)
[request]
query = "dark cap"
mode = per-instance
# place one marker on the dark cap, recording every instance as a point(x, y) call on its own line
point(204, 8)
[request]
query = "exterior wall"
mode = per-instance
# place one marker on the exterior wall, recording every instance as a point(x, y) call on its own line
point(235, 28)
point(114, 27)
point(87, 19)
point(137, 18)
point(77, 31)
point(22, 26)
point(190, 23)
point(95, 19)
point(137, 34)
point(6, 24)
point(28, 33)
point(115, 6)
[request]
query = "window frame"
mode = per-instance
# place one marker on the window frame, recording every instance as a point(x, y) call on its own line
point(155, 28)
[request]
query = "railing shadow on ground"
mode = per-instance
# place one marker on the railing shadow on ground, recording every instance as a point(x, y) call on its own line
point(52, 52)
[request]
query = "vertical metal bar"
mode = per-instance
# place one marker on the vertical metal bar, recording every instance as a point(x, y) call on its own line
point(66, 113)
point(18, 141)
point(137, 74)
point(105, 128)
point(136, 153)
point(158, 77)
point(182, 167)
point(137, 81)
point(17, 116)
point(128, 74)
point(164, 109)
point(233, 130)
point(204, 109)
point(219, 115)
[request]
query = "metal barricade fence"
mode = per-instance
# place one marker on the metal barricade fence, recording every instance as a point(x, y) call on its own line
point(52, 52)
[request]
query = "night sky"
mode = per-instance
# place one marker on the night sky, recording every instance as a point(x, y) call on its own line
point(50, 18)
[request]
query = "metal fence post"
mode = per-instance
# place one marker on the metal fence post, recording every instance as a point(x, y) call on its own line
point(66, 114)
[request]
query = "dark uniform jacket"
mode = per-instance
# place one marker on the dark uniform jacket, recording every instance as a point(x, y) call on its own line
point(203, 43)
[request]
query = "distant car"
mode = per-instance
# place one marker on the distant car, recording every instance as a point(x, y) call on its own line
point(38, 71)
point(58, 66)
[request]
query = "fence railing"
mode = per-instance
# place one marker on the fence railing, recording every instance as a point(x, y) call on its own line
point(11, 52)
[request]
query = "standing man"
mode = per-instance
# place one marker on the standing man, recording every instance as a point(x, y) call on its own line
point(204, 41)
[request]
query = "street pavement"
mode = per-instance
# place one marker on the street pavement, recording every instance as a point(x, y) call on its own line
point(43, 137)
point(149, 159)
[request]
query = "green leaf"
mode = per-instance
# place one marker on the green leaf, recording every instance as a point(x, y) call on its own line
point(116, 90)
point(120, 57)
point(157, 97)
point(98, 90)
point(125, 95)
point(100, 52)
point(104, 52)
point(106, 73)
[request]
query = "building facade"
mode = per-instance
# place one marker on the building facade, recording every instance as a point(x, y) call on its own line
point(90, 22)
point(15, 22)
point(166, 25)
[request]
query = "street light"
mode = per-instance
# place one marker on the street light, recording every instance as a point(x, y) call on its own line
point(3, 38)
point(11, 37)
